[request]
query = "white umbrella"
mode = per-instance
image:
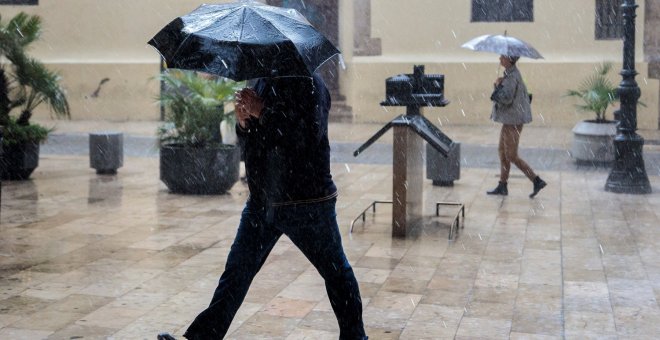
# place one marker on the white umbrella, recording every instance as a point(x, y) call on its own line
point(503, 45)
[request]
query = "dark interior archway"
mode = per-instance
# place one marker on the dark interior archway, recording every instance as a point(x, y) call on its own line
point(323, 14)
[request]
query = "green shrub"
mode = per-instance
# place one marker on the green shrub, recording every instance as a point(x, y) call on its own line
point(25, 83)
point(194, 108)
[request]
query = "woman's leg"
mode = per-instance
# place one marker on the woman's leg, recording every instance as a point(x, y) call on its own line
point(503, 151)
point(513, 137)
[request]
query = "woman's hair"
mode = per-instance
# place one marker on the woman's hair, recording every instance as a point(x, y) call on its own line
point(512, 58)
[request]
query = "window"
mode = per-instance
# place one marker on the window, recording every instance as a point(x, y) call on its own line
point(502, 10)
point(19, 2)
point(609, 22)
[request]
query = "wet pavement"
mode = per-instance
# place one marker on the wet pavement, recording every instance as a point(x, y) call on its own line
point(90, 256)
point(549, 149)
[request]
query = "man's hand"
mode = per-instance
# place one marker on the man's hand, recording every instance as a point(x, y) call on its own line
point(248, 104)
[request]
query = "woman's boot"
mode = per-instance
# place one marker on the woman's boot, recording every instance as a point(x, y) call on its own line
point(538, 185)
point(500, 190)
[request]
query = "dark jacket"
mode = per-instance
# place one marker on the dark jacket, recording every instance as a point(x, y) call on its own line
point(287, 153)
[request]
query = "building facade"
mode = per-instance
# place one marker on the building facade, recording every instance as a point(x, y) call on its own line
point(89, 41)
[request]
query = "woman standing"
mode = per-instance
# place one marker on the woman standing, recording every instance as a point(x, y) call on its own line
point(511, 107)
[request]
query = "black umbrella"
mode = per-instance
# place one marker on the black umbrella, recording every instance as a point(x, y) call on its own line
point(244, 40)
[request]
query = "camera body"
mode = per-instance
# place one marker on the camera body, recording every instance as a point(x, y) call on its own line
point(417, 89)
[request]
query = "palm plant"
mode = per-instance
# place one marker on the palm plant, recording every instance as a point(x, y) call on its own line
point(597, 93)
point(194, 108)
point(25, 83)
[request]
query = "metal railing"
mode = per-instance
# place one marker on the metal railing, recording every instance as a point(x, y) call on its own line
point(457, 222)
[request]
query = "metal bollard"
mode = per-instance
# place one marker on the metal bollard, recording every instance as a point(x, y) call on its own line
point(106, 152)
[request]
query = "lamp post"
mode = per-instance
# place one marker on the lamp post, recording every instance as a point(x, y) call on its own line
point(1, 170)
point(628, 175)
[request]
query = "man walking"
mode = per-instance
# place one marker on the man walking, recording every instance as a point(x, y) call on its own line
point(283, 123)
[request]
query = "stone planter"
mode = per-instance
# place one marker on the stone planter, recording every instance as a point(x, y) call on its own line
point(106, 152)
point(443, 171)
point(18, 161)
point(199, 171)
point(593, 142)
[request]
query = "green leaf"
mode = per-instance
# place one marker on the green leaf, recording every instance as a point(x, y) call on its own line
point(28, 82)
point(194, 107)
point(597, 92)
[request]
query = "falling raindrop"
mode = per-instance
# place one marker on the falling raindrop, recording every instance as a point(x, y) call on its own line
point(341, 62)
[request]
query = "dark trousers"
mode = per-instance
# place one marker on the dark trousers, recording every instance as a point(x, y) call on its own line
point(313, 229)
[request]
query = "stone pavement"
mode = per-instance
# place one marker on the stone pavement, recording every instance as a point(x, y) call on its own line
point(88, 256)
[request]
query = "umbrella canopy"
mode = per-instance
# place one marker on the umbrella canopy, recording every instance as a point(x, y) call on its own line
point(503, 45)
point(244, 40)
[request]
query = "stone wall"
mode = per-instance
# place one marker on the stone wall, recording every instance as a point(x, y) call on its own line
point(378, 38)
point(652, 41)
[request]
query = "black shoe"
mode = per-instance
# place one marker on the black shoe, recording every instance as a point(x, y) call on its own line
point(500, 190)
point(538, 185)
point(165, 336)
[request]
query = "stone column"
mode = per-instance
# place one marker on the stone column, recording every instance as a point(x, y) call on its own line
point(363, 43)
point(407, 185)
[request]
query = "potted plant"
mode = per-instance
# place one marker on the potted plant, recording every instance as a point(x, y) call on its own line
point(593, 138)
point(25, 83)
point(193, 159)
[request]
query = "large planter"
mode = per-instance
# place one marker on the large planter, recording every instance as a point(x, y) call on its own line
point(199, 171)
point(18, 161)
point(593, 142)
